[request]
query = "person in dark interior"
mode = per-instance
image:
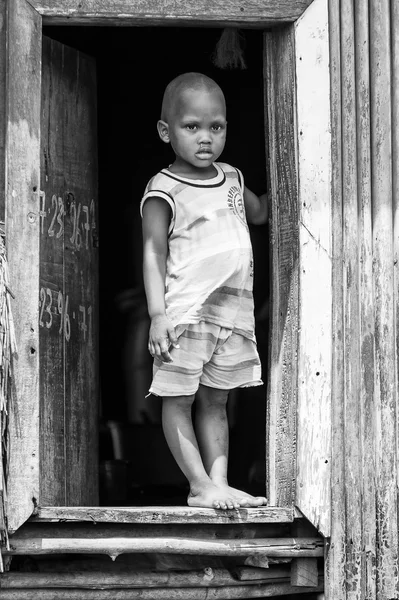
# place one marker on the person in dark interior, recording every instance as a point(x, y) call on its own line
point(198, 277)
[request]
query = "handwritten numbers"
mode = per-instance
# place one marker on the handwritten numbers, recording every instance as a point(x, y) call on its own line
point(58, 206)
point(46, 318)
point(42, 209)
point(87, 225)
point(76, 238)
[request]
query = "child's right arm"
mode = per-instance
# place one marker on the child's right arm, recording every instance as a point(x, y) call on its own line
point(156, 219)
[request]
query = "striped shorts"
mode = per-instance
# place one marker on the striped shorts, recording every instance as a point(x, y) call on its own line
point(209, 355)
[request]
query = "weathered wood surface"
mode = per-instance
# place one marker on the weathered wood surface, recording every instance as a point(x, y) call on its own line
point(68, 278)
point(164, 514)
point(22, 232)
point(207, 577)
point(353, 461)
point(123, 12)
point(386, 392)
point(364, 500)
point(363, 558)
point(284, 547)
point(395, 170)
point(304, 571)
point(335, 557)
point(3, 70)
point(264, 590)
point(136, 530)
point(284, 246)
point(315, 306)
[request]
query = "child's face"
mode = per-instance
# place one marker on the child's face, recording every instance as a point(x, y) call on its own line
point(197, 129)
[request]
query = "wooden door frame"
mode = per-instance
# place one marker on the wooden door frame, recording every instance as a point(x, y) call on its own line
point(23, 137)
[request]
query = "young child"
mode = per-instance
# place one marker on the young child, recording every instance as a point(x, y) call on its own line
point(198, 271)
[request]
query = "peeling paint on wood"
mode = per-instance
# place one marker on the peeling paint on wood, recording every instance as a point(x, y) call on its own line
point(315, 304)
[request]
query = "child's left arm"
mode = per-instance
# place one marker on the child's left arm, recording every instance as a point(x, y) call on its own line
point(255, 207)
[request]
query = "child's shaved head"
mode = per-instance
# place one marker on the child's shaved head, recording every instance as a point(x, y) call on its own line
point(186, 81)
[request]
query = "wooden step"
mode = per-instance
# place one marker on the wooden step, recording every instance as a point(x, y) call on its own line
point(163, 515)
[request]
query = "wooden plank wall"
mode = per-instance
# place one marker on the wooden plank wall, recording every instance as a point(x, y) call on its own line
point(362, 560)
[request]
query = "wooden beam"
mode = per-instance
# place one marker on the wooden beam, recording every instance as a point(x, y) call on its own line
point(249, 13)
point(283, 547)
point(313, 126)
point(367, 422)
point(304, 572)
point(264, 590)
point(352, 447)
point(163, 514)
point(386, 393)
point(335, 556)
point(284, 248)
point(22, 234)
point(3, 69)
point(207, 577)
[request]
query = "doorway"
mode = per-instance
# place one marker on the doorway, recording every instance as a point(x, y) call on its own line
point(136, 467)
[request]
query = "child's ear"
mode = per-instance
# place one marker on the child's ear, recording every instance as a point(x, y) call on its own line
point(163, 131)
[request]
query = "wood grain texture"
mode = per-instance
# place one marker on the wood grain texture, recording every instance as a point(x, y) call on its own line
point(168, 514)
point(68, 278)
point(366, 424)
point(395, 174)
point(265, 590)
point(3, 69)
point(304, 571)
point(22, 232)
point(207, 577)
point(335, 555)
point(315, 306)
point(123, 12)
point(353, 460)
point(197, 530)
point(272, 547)
point(284, 246)
point(386, 393)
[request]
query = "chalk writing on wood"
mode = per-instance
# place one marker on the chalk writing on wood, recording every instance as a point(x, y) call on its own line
point(82, 217)
point(55, 305)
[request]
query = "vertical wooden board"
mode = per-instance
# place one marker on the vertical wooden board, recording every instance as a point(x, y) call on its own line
point(395, 173)
point(69, 264)
point(22, 230)
point(3, 63)
point(353, 458)
point(80, 292)
point(315, 334)
point(366, 424)
point(335, 547)
point(385, 372)
point(51, 321)
point(282, 388)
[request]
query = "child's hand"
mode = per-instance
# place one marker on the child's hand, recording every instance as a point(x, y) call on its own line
point(162, 336)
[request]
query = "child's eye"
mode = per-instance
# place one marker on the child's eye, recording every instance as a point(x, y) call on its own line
point(191, 127)
point(217, 127)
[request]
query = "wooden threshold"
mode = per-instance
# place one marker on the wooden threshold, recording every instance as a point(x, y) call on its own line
point(162, 515)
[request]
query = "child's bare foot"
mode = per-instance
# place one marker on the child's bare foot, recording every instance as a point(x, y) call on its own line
point(213, 496)
point(245, 500)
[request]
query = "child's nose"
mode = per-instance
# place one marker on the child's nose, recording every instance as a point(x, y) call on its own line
point(205, 136)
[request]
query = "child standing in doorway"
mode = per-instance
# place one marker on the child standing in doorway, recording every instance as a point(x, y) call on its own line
point(198, 272)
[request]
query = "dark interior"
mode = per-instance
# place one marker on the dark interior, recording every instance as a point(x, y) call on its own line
point(133, 67)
